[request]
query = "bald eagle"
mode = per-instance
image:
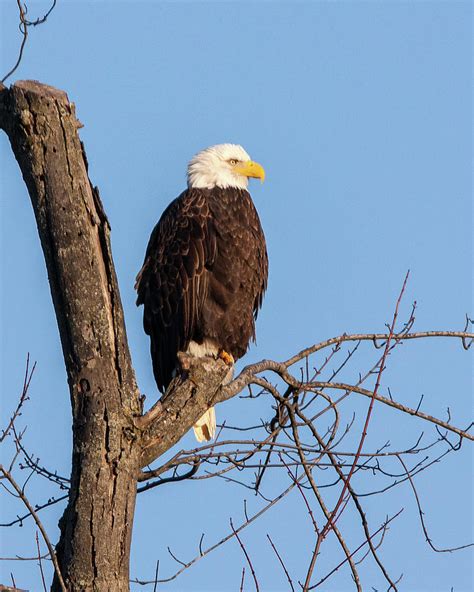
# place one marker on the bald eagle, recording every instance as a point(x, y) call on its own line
point(205, 269)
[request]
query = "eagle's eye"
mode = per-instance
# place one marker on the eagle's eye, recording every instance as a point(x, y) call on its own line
point(233, 161)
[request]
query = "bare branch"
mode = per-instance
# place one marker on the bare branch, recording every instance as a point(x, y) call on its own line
point(421, 515)
point(50, 502)
point(173, 479)
point(39, 562)
point(281, 368)
point(334, 517)
point(242, 581)
point(246, 556)
point(382, 528)
point(23, 397)
point(23, 498)
point(348, 388)
point(23, 26)
point(282, 564)
point(221, 541)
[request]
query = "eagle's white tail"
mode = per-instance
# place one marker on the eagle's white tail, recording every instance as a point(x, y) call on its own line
point(205, 427)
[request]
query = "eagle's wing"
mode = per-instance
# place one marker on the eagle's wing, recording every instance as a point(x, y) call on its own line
point(172, 283)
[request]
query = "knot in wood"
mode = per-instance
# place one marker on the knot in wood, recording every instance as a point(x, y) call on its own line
point(84, 385)
point(129, 434)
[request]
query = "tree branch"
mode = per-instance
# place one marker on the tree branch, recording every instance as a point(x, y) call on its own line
point(281, 368)
point(185, 401)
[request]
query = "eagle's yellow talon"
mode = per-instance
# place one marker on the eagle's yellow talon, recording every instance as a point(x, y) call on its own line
point(226, 357)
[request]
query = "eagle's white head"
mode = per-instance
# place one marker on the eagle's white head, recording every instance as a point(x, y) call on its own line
point(223, 165)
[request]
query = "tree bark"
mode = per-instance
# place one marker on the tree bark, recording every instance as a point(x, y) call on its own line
point(74, 232)
point(112, 440)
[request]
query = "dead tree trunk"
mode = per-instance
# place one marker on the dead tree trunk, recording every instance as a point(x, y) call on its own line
point(74, 233)
point(112, 440)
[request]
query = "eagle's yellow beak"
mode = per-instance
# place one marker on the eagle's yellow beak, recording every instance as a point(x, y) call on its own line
point(251, 169)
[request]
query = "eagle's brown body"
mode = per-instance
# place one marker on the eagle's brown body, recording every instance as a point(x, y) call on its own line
point(204, 275)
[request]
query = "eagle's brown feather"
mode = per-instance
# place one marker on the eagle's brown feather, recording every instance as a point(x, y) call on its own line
point(204, 276)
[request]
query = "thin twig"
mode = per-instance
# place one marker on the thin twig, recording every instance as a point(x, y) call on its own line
point(23, 26)
point(242, 581)
point(173, 479)
point(202, 554)
point(282, 563)
point(155, 586)
point(50, 502)
point(339, 565)
point(23, 397)
point(24, 31)
point(246, 556)
point(24, 499)
point(39, 561)
point(334, 516)
point(422, 520)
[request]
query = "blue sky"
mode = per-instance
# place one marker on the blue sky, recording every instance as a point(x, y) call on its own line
point(361, 114)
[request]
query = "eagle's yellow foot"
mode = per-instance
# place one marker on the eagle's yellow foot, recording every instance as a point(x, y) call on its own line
point(227, 358)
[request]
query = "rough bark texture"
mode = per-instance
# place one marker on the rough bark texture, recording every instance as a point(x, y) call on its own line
point(182, 405)
point(112, 440)
point(74, 233)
